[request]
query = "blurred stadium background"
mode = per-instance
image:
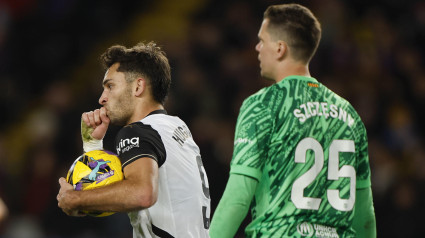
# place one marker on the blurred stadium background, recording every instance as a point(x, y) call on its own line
point(372, 53)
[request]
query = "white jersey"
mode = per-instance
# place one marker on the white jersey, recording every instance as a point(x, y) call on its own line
point(183, 205)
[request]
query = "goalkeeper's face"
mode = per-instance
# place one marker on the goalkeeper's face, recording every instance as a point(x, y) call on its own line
point(116, 96)
point(267, 49)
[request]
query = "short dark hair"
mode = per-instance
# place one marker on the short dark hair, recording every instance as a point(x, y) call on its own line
point(297, 26)
point(147, 60)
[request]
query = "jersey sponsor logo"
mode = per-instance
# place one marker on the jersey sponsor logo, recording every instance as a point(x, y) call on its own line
point(181, 134)
point(322, 109)
point(127, 144)
point(307, 229)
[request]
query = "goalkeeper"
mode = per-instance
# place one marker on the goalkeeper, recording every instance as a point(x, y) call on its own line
point(300, 156)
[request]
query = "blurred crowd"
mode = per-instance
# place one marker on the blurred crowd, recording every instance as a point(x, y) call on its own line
point(371, 53)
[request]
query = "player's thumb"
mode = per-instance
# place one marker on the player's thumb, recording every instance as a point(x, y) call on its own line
point(62, 181)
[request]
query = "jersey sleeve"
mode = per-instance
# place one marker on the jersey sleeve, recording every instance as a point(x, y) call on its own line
point(138, 140)
point(252, 136)
point(364, 221)
point(233, 206)
point(363, 168)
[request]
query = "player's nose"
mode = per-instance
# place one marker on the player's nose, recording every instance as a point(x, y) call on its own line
point(257, 47)
point(103, 99)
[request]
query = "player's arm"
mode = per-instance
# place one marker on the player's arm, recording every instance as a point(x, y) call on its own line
point(3, 211)
point(137, 191)
point(233, 206)
point(364, 222)
point(253, 129)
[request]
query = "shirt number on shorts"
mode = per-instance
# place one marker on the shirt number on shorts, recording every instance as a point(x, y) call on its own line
point(334, 173)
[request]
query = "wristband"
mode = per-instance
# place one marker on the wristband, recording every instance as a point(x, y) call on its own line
point(92, 144)
point(89, 143)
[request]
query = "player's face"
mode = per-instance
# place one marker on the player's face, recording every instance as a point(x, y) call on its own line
point(116, 96)
point(266, 51)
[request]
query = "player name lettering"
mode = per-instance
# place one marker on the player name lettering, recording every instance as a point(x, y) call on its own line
point(181, 134)
point(322, 109)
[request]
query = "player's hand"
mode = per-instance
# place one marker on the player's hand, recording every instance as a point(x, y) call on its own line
point(94, 124)
point(65, 199)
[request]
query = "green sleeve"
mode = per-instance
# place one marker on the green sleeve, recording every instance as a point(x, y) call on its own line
point(233, 206)
point(252, 137)
point(364, 222)
point(362, 153)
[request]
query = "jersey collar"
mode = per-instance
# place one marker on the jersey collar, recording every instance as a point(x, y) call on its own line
point(299, 77)
point(159, 111)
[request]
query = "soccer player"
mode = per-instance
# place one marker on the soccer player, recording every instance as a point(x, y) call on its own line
point(300, 156)
point(165, 188)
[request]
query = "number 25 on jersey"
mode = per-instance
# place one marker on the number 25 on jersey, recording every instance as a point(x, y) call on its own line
point(334, 173)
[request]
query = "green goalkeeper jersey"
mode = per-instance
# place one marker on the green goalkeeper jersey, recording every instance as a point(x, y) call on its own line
point(307, 147)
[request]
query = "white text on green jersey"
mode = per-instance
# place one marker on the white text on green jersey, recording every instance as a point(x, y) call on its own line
point(323, 109)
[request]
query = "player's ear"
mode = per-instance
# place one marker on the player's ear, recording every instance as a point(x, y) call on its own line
point(281, 49)
point(140, 87)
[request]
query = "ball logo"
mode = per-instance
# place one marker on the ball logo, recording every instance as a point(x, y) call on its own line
point(104, 176)
point(95, 165)
point(305, 229)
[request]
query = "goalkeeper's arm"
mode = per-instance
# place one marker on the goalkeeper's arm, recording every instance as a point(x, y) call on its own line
point(364, 222)
point(233, 206)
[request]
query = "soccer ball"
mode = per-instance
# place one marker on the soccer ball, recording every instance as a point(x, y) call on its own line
point(95, 169)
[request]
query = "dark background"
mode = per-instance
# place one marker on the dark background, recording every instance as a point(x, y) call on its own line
point(371, 53)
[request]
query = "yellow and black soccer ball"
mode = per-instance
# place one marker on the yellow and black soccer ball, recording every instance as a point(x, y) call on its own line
point(95, 169)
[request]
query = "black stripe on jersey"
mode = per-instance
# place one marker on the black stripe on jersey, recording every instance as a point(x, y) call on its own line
point(138, 157)
point(138, 140)
point(160, 232)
